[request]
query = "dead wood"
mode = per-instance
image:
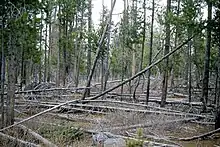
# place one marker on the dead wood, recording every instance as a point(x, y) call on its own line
point(51, 89)
point(74, 119)
point(143, 111)
point(151, 124)
point(202, 136)
point(21, 142)
point(108, 90)
point(131, 104)
point(203, 123)
point(99, 49)
point(46, 142)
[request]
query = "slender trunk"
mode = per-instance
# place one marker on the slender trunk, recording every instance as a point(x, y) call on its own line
point(65, 68)
point(166, 62)
point(142, 48)
point(59, 49)
point(150, 53)
point(11, 82)
point(98, 52)
point(89, 38)
point(41, 35)
point(2, 78)
point(218, 94)
point(205, 85)
point(175, 44)
point(107, 55)
point(49, 49)
point(45, 55)
point(190, 68)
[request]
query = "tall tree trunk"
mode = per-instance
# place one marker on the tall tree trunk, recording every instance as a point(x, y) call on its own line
point(150, 53)
point(107, 55)
point(98, 52)
point(142, 48)
point(59, 49)
point(49, 49)
point(2, 77)
point(166, 51)
point(45, 54)
point(190, 67)
point(89, 39)
point(218, 75)
point(205, 85)
point(41, 36)
point(175, 45)
point(11, 82)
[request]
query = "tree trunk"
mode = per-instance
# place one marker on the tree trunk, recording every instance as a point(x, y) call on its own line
point(190, 67)
point(89, 39)
point(207, 58)
point(98, 52)
point(45, 54)
point(166, 51)
point(11, 82)
point(2, 78)
point(150, 53)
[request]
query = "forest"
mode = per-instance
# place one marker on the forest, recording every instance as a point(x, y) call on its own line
point(149, 79)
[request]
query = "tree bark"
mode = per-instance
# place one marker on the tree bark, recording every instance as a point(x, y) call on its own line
point(2, 77)
point(205, 85)
point(150, 53)
point(166, 51)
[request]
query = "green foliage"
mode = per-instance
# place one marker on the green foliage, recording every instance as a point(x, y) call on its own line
point(63, 133)
point(136, 142)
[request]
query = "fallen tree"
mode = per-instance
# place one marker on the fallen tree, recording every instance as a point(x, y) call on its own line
point(37, 136)
point(108, 90)
point(151, 124)
point(202, 136)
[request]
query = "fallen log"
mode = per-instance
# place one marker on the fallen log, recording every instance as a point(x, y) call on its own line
point(106, 91)
point(51, 89)
point(177, 113)
point(144, 111)
point(46, 142)
point(131, 104)
point(150, 124)
point(74, 119)
point(21, 142)
point(202, 136)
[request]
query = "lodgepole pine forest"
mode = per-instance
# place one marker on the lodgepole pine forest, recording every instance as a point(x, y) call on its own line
point(109, 73)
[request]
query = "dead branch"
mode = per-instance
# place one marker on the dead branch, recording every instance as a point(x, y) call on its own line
point(37, 136)
point(22, 142)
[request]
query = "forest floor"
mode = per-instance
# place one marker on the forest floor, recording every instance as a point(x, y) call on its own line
point(74, 124)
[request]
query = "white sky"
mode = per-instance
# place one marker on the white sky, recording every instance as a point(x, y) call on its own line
point(97, 9)
point(119, 6)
